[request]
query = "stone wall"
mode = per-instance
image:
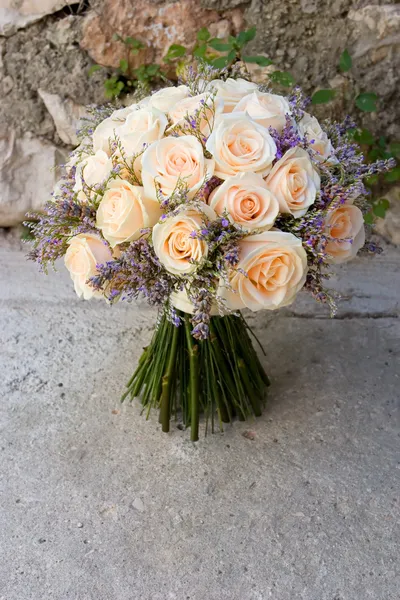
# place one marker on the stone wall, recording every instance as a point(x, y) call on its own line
point(48, 46)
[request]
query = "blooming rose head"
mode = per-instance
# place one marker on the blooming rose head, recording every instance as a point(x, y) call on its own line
point(246, 200)
point(294, 181)
point(312, 131)
point(174, 159)
point(238, 144)
point(231, 91)
point(123, 211)
point(166, 98)
point(93, 170)
point(105, 131)
point(205, 106)
point(85, 251)
point(141, 127)
point(276, 267)
point(268, 110)
point(344, 227)
point(175, 241)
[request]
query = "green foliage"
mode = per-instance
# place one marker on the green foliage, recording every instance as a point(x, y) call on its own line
point(345, 62)
point(282, 78)
point(323, 96)
point(367, 102)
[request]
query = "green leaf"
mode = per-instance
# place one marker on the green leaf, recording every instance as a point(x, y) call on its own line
point(203, 35)
point(345, 62)
point(200, 51)
point(123, 65)
point(367, 102)
point(394, 148)
point(220, 63)
point(379, 208)
point(219, 45)
point(393, 175)
point(323, 96)
point(364, 136)
point(152, 69)
point(262, 61)
point(282, 78)
point(93, 69)
point(372, 180)
point(175, 51)
point(245, 37)
point(369, 218)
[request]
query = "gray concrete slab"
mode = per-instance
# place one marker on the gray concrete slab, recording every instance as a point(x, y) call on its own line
point(98, 504)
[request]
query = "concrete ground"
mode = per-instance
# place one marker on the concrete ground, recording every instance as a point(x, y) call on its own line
point(98, 504)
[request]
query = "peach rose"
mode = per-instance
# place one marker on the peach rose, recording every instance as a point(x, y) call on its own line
point(345, 228)
point(191, 106)
point(276, 267)
point(105, 131)
point(239, 144)
point(166, 98)
point(93, 170)
point(312, 131)
point(174, 243)
point(173, 159)
point(246, 200)
point(268, 110)
point(123, 211)
point(85, 251)
point(141, 127)
point(231, 91)
point(295, 182)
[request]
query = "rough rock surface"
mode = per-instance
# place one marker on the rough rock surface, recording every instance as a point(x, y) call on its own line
point(27, 175)
point(98, 504)
point(16, 14)
point(66, 115)
point(389, 227)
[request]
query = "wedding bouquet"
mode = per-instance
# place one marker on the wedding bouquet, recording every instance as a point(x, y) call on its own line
point(206, 198)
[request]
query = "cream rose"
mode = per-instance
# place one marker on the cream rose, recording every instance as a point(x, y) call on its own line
point(123, 211)
point(85, 251)
point(105, 131)
point(174, 243)
point(141, 127)
point(231, 91)
point(246, 200)
point(276, 267)
point(345, 228)
point(172, 159)
point(238, 144)
point(312, 131)
point(268, 110)
point(180, 301)
point(191, 106)
point(93, 170)
point(295, 182)
point(166, 98)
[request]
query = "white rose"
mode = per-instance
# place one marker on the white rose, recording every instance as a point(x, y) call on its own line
point(276, 266)
point(247, 201)
point(141, 127)
point(295, 182)
point(231, 91)
point(174, 159)
point(344, 228)
point(311, 130)
point(93, 170)
point(85, 251)
point(268, 110)
point(123, 211)
point(203, 105)
point(238, 144)
point(105, 131)
point(174, 243)
point(166, 98)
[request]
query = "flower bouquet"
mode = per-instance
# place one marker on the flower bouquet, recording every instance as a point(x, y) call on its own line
point(206, 198)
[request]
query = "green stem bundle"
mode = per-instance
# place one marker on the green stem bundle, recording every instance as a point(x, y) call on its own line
point(221, 377)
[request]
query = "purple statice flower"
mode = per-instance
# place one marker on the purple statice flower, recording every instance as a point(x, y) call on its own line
point(289, 138)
